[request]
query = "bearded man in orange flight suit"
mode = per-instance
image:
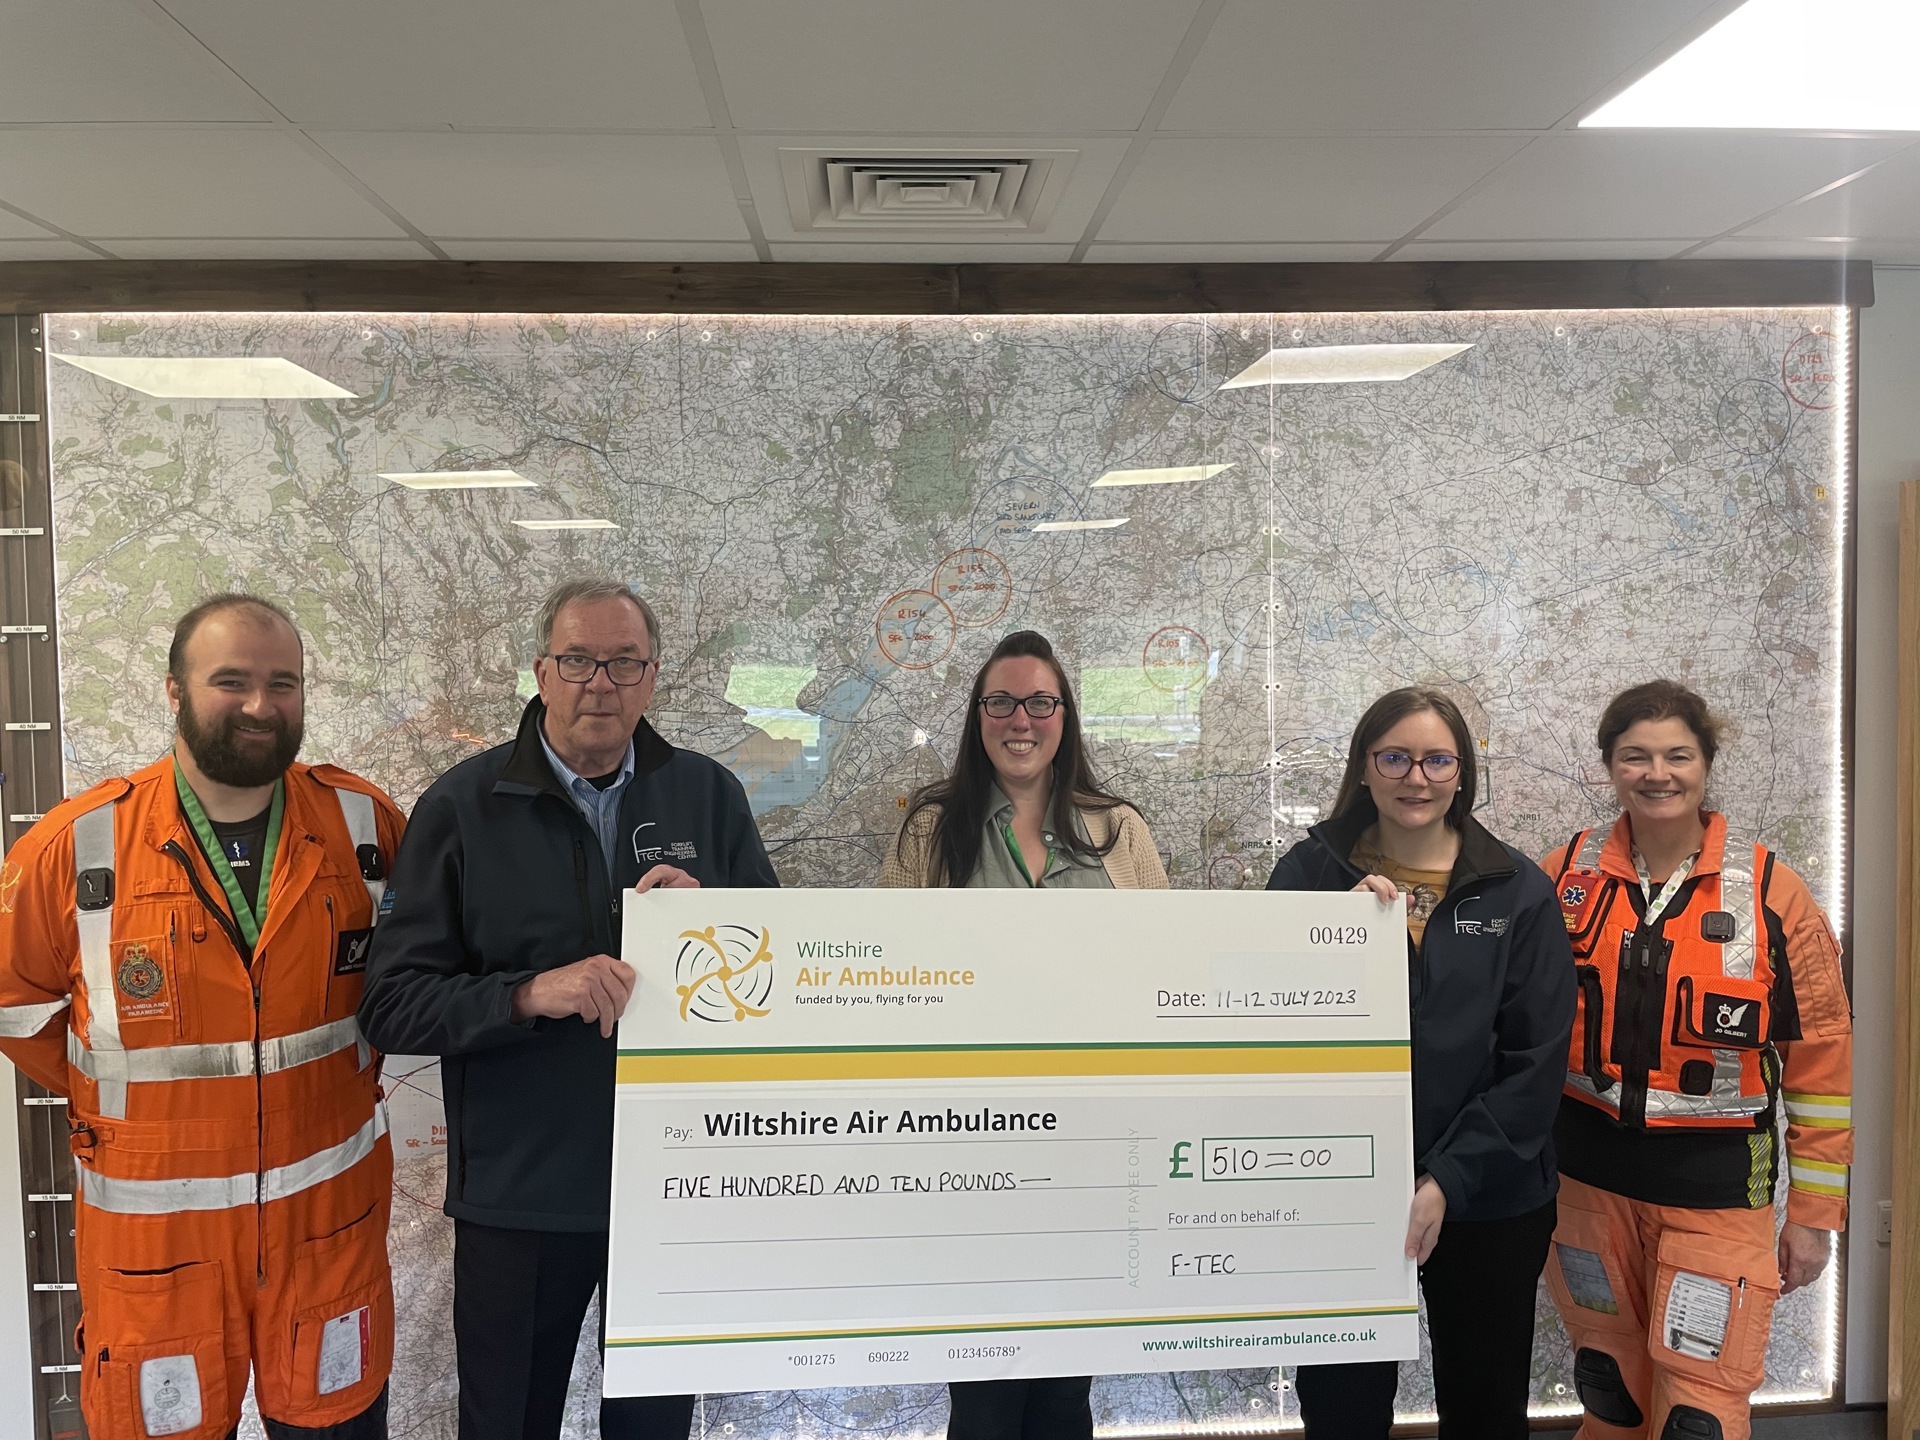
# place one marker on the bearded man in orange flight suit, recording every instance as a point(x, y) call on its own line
point(181, 955)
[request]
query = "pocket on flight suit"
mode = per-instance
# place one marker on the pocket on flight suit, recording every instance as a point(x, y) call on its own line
point(158, 1361)
point(1712, 1307)
point(1587, 1273)
point(343, 1326)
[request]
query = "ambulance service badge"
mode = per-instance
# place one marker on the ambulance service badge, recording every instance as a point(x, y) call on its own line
point(139, 975)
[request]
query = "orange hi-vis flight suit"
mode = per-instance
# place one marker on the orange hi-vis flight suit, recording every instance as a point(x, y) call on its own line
point(232, 1167)
point(1693, 1025)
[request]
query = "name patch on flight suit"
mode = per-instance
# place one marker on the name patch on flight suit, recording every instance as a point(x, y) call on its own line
point(1730, 1018)
point(350, 955)
point(141, 980)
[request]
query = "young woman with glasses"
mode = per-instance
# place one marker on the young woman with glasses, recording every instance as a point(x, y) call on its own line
point(1022, 809)
point(1491, 985)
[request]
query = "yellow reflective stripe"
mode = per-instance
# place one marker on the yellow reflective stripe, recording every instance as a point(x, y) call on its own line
point(1802, 1097)
point(23, 1022)
point(1817, 1177)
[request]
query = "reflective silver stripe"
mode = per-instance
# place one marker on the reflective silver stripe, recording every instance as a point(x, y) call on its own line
point(1738, 897)
point(285, 1180)
point(19, 1022)
point(287, 1051)
point(93, 850)
point(211, 1062)
point(1718, 1105)
point(226, 1192)
point(1664, 1104)
point(161, 1197)
point(357, 809)
point(1577, 1080)
point(1587, 855)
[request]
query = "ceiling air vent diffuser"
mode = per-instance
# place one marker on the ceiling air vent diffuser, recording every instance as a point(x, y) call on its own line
point(831, 191)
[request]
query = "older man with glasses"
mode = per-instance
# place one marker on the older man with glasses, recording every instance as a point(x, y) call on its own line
point(501, 956)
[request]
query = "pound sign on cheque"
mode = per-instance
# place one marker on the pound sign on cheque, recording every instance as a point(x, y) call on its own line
point(1179, 1169)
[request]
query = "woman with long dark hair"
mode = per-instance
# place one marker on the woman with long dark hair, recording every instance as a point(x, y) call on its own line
point(1022, 809)
point(1491, 985)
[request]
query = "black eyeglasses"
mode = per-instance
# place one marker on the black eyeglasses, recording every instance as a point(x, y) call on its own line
point(1001, 707)
point(580, 669)
point(1397, 765)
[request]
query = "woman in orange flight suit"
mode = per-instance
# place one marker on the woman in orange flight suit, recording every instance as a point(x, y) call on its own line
point(1710, 995)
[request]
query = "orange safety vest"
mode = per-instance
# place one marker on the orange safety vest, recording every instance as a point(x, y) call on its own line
point(1675, 1019)
point(232, 1167)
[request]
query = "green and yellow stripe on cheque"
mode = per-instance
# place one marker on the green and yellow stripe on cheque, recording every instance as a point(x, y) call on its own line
point(980, 1062)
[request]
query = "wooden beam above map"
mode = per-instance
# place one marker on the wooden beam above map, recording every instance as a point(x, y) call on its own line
point(32, 287)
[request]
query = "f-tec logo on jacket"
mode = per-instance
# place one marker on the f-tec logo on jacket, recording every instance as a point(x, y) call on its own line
point(1468, 925)
point(651, 850)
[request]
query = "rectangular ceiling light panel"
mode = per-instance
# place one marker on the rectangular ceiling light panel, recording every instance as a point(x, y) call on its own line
point(250, 377)
point(1176, 475)
point(582, 524)
point(459, 479)
point(1783, 65)
point(1054, 525)
point(1341, 364)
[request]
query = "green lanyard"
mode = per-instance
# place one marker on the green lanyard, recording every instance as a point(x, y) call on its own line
point(1013, 849)
point(245, 916)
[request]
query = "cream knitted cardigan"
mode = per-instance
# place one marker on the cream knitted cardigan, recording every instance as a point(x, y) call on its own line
point(1132, 864)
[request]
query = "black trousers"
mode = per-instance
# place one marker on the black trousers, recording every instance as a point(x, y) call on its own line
point(1021, 1409)
point(518, 1299)
point(1479, 1284)
point(369, 1424)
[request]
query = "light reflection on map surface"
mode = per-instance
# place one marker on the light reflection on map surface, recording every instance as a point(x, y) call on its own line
point(835, 519)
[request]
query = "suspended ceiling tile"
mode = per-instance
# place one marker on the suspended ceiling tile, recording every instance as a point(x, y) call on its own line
point(1309, 189)
point(160, 182)
point(1075, 180)
point(628, 251)
point(249, 249)
point(987, 65)
point(1884, 250)
point(1434, 65)
point(105, 60)
point(1542, 249)
point(1884, 201)
point(50, 249)
point(459, 62)
point(548, 186)
point(13, 227)
point(1646, 185)
point(1194, 254)
point(895, 253)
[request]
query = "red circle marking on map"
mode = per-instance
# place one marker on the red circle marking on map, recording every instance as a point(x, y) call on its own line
point(915, 629)
point(976, 585)
point(1174, 658)
point(1229, 879)
point(1810, 371)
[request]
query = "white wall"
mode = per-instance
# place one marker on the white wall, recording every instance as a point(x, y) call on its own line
point(1889, 454)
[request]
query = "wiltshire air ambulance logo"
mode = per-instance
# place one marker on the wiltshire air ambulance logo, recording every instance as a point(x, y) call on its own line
point(724, 972)
point(139, 975)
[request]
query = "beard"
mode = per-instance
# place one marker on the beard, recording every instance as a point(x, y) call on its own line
point(223, 760)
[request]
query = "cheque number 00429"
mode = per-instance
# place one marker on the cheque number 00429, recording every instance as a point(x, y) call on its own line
point(1336, 935)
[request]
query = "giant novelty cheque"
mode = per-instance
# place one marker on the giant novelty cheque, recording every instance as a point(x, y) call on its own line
point(879, 1136)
